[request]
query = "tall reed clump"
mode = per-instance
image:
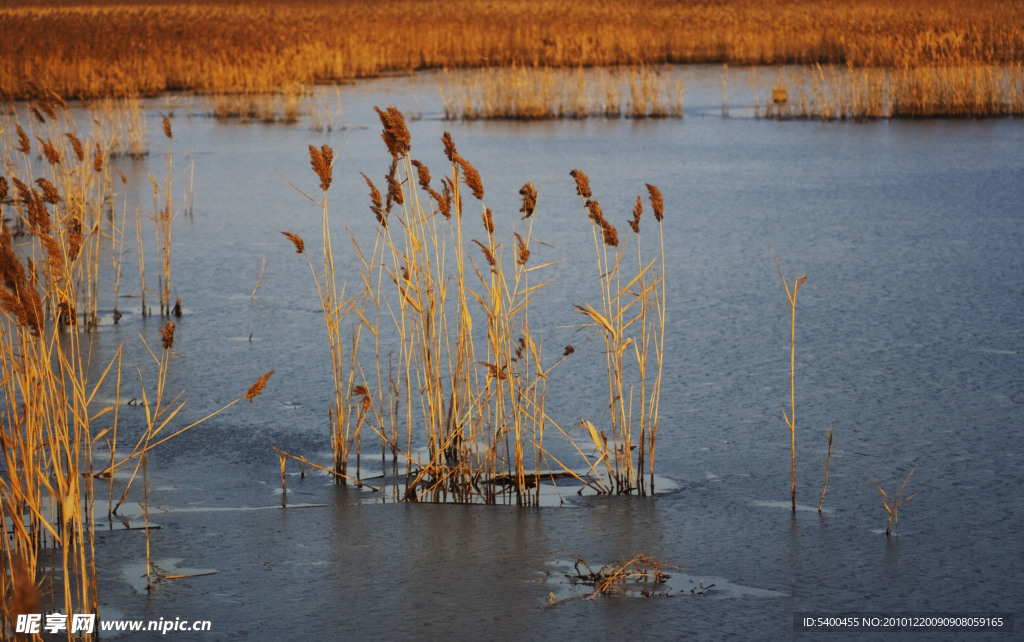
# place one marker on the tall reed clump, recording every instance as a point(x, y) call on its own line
point(47, 417)
point(344, 434)
point(469, 370)
point(631, 321)
point(455, 382)
point(791, 417)
point(72, 180)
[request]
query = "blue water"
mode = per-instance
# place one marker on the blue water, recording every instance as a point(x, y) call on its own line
point(909, 344)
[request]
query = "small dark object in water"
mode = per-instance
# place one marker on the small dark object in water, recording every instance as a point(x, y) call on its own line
point(177, 308)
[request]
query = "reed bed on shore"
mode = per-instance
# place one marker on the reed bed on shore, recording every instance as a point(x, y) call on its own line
point(105, 48)
point(456, 380)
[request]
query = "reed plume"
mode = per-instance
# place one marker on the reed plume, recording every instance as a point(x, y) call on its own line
point(529, 194)
point(256, 389)
point(395, 133)
point(296, 240)
point(322, 161)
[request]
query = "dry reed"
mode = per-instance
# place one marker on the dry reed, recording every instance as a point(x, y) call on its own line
point(50, 416)
point(826, 465)
point(103, 48)
point(791, 417)
point(893, 501)
point(631, 322)
point(465, 379)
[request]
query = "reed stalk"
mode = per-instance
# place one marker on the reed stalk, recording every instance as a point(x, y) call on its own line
point(893, 501)
point(829, 432)
point(631, 319)
point(791, 417)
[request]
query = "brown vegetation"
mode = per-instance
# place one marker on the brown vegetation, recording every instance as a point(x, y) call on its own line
point(107, 48)
point(465, 373)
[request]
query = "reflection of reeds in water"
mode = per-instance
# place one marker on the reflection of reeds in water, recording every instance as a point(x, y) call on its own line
point(449, 309)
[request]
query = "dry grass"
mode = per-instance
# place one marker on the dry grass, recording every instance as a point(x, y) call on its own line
point(641, 573)
point(57, 205)
point(540, 93)
point(631, 321)
point(944, 89)
point(446, 296)
point(105, 48)
point(791, 417)
point(894, 500)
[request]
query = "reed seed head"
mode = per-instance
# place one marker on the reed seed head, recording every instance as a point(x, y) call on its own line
point(39, 115)
point(18, 295)
point(74, 238)
point(395, 194)
point(395, 134)
point(322, 161)
point(487, 252)
point(449, 146)
point(444, 203)
point(38, 215)
point(4, 189)
point(638, 210)
point(256, 389)
point(377, 205)
point(596, 215)
point(97, 160)
point(24, 193)
point(67, 313)
point(657, 204)
point(582, 183)
point(568, 350)
point(24, 144)
point(424, 174)
point(49, 191)
point(300, 245)
point(523, 252)
point(167, 335)
point(611, 235)
point(529, 194)
point(76, 146)
point(488, 217)
point(51, 153)
point(471, 177)
point(167, 126)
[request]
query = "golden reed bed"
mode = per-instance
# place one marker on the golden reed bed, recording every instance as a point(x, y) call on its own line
point(106, 48)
